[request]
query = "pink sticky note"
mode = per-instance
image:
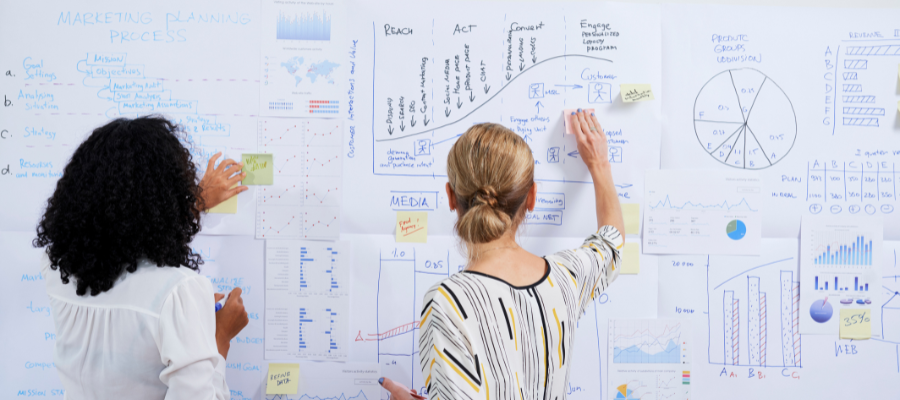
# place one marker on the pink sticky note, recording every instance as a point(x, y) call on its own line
point(567, 117)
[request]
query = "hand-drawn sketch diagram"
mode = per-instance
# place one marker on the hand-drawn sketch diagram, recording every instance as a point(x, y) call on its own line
point(743, 119)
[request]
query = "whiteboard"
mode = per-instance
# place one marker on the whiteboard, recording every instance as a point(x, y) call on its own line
point(58, 94)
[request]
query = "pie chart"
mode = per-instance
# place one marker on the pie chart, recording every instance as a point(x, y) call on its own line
point(736, 229)
point(744, 120)
point(821, 311)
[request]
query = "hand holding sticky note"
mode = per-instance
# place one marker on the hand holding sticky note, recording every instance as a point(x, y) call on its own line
point(283, 379)
point(567, 117)
point(259, 169)
point(412, 226)
point(635, 92)
point(856, 323)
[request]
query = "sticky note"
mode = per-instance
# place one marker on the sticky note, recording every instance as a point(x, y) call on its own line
point(567, 117)
point(632, 92)
point(283, 378)
point(632, 214)
point(856, 323)
point(226, 207)
point(412, 226)
point(631, 259)
point(259, 169)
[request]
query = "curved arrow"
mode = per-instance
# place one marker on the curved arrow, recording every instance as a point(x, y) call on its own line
point(495, 95)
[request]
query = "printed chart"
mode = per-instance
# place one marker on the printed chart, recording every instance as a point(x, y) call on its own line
point(695, 212)
point(649, 359)
point(301, 66)
point(304, 201)
point(332, 381)
point(307, 297)
point(744, 120)
point(841, 265)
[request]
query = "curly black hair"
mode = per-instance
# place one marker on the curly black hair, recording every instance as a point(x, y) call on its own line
point(129, 192)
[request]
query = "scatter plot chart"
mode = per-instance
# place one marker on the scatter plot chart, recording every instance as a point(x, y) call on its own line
point(304, 201)
point(307, 300)
point(743, 119)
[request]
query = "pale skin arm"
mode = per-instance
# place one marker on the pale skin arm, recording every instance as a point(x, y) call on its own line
point(594, 151)
point(217, 182)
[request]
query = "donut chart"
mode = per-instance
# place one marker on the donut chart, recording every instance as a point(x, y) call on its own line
point(743, 119)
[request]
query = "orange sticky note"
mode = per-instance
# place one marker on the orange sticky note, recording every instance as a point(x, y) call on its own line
point(567, 117)
point(411, 226)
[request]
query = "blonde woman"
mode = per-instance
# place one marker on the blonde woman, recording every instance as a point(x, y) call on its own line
point(504, 327)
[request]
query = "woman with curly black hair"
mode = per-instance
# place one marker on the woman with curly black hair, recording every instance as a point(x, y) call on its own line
point(133, 317)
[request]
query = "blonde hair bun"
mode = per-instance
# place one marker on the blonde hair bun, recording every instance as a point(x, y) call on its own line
point(491, 171)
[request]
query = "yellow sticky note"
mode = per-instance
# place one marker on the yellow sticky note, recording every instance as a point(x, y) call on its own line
point(631, 259)
point(259, 169)
point(632, 214)
point(856, 323)
point(632, 92)
point(226, 207)
point(412, 226)
point(283, 379)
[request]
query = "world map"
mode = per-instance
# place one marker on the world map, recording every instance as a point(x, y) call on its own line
point(315, 70)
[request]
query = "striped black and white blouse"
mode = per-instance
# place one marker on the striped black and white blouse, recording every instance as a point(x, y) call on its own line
point(482, 338)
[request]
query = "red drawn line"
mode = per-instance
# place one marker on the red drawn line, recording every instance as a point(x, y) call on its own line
point(414, 231)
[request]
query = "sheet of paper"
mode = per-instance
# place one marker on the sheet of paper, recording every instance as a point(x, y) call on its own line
point(307, 300)
point(702, 212)
point(412, 227)
point(631, 258)
point(229, 206)
point(631, 212)
point(305, 200)
point(649, 358)
point(303, 68)
point(856, 323)
point(567, 117)
point(283, 378)
point(840, 267)
point(397, 143)
point(259, 169)
point(635, 92)
point(338, 381)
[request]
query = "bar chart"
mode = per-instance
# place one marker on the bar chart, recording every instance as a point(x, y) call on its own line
point(856, 252)
point(840, 282)
point(307, 297)
point(303, 26)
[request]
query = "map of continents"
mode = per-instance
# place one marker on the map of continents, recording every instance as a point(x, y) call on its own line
point(315, 70)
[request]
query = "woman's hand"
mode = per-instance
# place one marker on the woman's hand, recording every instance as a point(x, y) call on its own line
point(591, 140)
point(230, 320)
point(217, 182)
point(399, 391)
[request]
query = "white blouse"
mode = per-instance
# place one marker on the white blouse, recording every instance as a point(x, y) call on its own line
point(152, 336)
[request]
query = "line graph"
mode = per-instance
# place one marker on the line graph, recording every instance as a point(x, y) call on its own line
point(689, 205)
point(649, 359)
point(646, 344)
